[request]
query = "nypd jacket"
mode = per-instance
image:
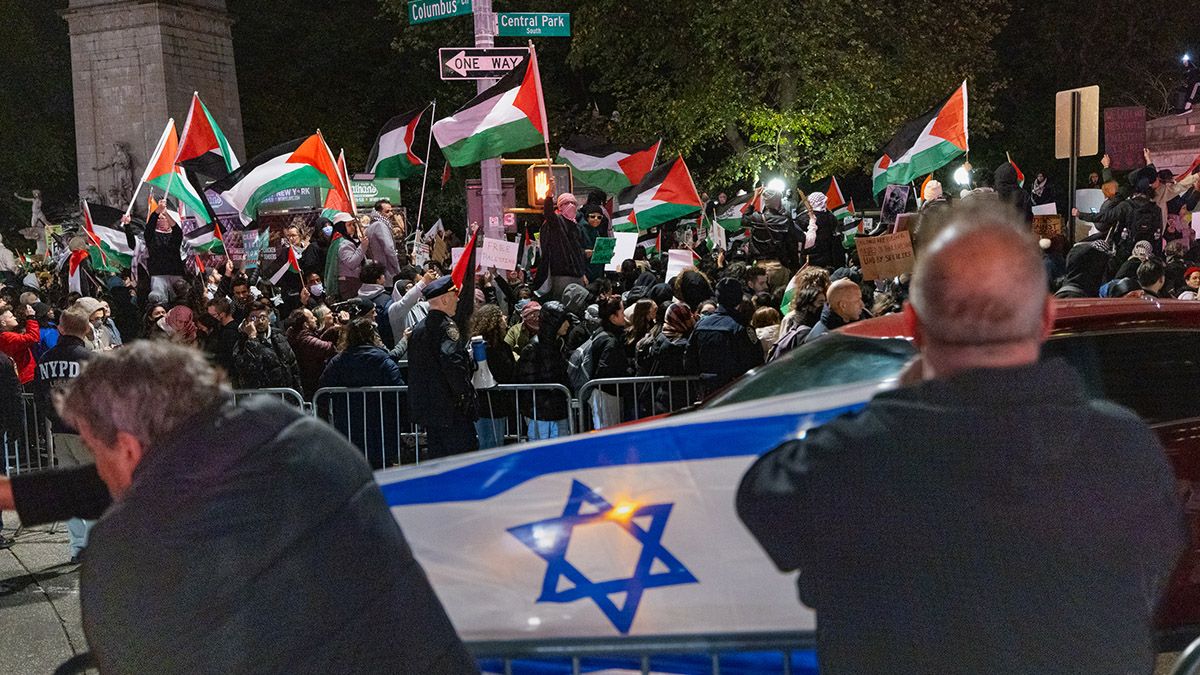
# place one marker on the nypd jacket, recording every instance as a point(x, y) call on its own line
point(57, 367)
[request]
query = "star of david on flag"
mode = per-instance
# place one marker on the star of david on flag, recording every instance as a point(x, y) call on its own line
point(550, 538)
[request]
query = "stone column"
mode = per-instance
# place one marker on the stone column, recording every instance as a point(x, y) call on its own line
point(135, 63)
point(1174, 140)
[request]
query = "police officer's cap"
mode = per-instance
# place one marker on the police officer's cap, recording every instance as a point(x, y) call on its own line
point(439, 286)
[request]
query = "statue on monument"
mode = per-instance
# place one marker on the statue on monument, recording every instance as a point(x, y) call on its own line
point(91, 195)
point(37, 221)
point(122, 168)
point(115, 199)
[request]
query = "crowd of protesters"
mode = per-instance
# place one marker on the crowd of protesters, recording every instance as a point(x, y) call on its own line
point(345, 319)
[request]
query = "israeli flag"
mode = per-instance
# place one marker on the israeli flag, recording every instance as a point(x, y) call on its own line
point(629, 531)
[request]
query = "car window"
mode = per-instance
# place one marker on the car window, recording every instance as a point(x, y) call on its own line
point(1151, 372)
point(832, 360)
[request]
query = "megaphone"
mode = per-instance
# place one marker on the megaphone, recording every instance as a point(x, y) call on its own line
point(482, 379)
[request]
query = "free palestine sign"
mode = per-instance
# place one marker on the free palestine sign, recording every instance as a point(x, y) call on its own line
point(422, 11)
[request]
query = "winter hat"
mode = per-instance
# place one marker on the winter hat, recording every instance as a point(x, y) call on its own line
point(729, 293)
point(1142, 250)
point(679, 322)
point(1189, 271)
point(818, 201)
point(933, 190)
point(88, 305)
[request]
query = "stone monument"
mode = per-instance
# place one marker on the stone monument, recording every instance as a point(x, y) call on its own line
point(1174, 140)
point(134, 64)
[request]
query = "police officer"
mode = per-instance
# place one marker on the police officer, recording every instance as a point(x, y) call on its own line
point(722, 347)
point(440, 366)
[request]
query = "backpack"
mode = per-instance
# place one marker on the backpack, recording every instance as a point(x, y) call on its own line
point(382, 301)
point(788, 341)
point(579, 365)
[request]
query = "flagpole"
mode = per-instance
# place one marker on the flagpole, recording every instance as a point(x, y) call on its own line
point(541, 107)
point(424, 178)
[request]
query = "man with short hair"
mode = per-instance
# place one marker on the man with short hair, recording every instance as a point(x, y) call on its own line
point(383, 244)
point(229, 522)
point(991, 517)
point(241, 297)
point(722, 346)
point(59, 366)
point(843, 305)
point(1151, 276)
point(226, 339)
point(756, 280)
point(380, 297)
point(263, 359)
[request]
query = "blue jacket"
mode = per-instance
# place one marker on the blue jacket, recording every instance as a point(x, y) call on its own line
point(721, 349)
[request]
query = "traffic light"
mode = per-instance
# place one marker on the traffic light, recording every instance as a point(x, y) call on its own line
point(537, 181)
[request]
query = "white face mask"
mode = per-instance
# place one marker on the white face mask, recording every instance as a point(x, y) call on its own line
point(317, 289)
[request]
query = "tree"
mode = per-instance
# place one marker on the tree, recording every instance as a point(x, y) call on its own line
point(805, 89)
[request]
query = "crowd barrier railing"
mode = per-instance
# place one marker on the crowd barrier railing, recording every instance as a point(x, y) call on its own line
point(754, 652)
point(32, 446)
point(289, 396)
point(614, 400)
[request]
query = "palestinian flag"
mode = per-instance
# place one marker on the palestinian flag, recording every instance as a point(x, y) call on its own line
point(459, 274)
point(203, 149)
point(835, 201)
point(334, 199)
point(506, 117)
point(729, 215)
point(206, 239)
point(109, 236)
point(445, 175)
point(163, 173)
point(282, 264)
point(75, 271)
point(1020, 174)
point(925, 144)
point(651, 241)
point(303, 162)
point(392, 156)
point(611, 168)
point(666, 193)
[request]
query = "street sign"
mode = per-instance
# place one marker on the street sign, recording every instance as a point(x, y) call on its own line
point(534, 24)
point(1087, 123)
point(473, 63)
point(424, 11)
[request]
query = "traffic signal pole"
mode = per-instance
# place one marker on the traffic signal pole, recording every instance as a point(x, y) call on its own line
point(489, 170)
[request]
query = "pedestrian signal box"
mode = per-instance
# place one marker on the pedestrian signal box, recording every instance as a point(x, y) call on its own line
point(537, 179)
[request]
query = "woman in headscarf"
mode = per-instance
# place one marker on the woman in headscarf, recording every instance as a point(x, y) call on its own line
point(1141, 253)
point(521, 334)
point(344, 260)
point(666, 358)
point(150, 327)
point(825, 249)
point(1009, 189)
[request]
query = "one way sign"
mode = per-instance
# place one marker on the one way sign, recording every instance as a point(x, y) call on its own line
point(471, 63)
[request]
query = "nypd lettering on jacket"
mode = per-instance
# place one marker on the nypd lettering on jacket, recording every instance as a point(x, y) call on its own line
point(59, 370)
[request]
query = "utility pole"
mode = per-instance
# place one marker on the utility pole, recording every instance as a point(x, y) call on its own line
point(489, 170)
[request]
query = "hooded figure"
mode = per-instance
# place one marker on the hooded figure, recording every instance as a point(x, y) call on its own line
point(1009, 190)
point(722, 348)
point(825, 248)
point(593, 224)
point(1087, 263)
point(575, 300)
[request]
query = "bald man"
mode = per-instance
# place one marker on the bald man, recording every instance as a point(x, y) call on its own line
point(843, 305)
point(989, 517)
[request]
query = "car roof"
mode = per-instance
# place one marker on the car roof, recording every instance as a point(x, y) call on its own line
point(1081, 315)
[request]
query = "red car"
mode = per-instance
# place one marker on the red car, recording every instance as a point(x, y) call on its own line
point(1144, 354)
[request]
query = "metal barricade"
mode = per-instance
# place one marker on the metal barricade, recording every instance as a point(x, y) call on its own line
point(31, 447)
point(289, 396)
point(1189, 661)
point(605, 402)
point(375, 419)
point(760, 653)
point(525, 412)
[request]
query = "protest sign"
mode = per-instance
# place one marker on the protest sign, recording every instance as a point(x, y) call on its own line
point(456, 253)
point(885, 256)
point(1125, 136)
point(603, 250)
point(677, 261)
point(499, 253)
point(625, 246)
point(904, 222)
point(1089, 201)
point(1045, 227)
point(895, 201)
point(1050, 209)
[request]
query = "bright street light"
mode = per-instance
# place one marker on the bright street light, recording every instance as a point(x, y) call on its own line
point(962, 175)
point(776, 185)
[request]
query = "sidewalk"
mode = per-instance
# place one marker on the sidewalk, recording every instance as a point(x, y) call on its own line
point(39, 600)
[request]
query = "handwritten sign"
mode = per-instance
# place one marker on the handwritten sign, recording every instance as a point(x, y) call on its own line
point(1045, 227)
point(1125, 136)
point(499, 253)
point(885, 256)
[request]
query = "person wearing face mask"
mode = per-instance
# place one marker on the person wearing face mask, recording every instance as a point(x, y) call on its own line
point(263, 358)
point(95, 312)
point(593, 224)
point(563, 262)
point(164, 242)
point(344, 260)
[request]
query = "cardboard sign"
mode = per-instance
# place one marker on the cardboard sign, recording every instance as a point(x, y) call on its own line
point(885, 256)
point(499, 253)
point(603, 250)
point(1050, 209)
point(1125, 136)
point(1045, 227)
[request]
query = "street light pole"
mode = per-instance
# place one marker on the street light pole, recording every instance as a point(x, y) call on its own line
point(489, 170)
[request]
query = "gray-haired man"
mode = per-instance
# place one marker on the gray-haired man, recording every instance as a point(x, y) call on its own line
point(247, 538)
